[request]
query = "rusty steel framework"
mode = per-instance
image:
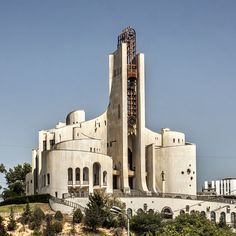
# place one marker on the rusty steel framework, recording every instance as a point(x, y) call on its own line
point(128, 36)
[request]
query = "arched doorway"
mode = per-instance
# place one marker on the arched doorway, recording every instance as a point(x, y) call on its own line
point(96, 174)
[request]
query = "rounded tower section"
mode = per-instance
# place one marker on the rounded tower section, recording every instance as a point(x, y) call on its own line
point(75, 117)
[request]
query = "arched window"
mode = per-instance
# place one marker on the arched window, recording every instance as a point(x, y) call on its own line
point(203, 214)
point(96, 173)
point(129, 212)
point(151, 211)
point(167, 213)
point(104, 178)
point(222, 217)
point(70, 176)
point(213, 216)
point(85, 175)
point(233, 219)
point(77, 175)
point(139, 211)
point(182, 212)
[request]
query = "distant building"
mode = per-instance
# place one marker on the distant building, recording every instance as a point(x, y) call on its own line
point(222, 187)
point(115, 151)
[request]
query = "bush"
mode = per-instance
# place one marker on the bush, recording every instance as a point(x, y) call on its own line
point(77, 216)
point(26, 215)
point(37, 218)
point(12, 223)
point(58, 216)
point(43, 198)
point(3, 231)
point(49, 230)
point(146, 222)
point(57, 226)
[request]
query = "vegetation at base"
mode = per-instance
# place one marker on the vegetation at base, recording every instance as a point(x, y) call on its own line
point(146, 222)
point(11, 226)
point(43, 198)
point(26, 215)
point(57, 227)
point(3, 231)
point(49, 230)
point(97, 212)
point(152, 224)
point(77, 216)
point(36, 219)
point(58, 216)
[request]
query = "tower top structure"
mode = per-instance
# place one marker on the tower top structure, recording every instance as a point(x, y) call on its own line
point(128, 36)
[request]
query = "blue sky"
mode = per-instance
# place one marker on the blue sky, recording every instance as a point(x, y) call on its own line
point(54, 59)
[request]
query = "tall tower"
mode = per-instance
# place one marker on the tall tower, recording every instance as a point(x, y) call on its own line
point(126, 114)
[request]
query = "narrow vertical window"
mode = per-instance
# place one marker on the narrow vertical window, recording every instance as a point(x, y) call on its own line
point(118, 111)
point(48, 178)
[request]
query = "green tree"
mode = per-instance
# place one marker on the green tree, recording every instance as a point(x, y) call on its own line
point(77, 216)
point(26, 215)
point(11, 226)
point(95, 212)
point(194, 225)
point(58, 216)
point(37, 218)
point(15, 179)
point(49, 230)
point(2, 171)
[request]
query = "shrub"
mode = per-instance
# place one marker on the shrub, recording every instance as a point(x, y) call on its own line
point(58, 216)
point(26, 215)
point(57, 226)
point(49, 230)
point(3, 231)
point(37, 232)
point(43, 198)
point(12, 223)
point(77, 216)
point(146, 222)
point(37, 218)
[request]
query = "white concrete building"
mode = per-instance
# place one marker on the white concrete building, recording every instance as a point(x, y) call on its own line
point(221, 187)
point(115, 151)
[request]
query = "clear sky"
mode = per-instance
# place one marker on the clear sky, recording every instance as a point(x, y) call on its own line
point(54, 59)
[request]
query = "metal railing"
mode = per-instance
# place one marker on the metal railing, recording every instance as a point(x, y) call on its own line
point(67, 203)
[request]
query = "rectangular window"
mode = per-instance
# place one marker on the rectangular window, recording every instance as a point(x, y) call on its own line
point(44, 145)
point(48, 178)
point(52, 142)
point(173, 140)
point(119, 111)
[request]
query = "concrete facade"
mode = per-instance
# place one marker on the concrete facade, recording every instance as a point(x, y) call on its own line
point(115, 151)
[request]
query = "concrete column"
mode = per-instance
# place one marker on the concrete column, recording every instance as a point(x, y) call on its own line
point(140, 137)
